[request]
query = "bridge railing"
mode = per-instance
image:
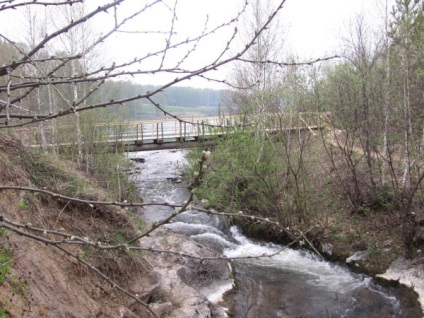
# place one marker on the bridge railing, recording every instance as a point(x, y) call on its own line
point(158, 131)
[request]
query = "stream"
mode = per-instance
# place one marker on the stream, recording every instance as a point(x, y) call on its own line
point(294, 283)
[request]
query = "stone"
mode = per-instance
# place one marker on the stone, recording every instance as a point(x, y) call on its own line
point(327, 248)
point(126, 313)
point(141, 160)
point(199, 273)
point(408, 274)
point(419, 235)
point(161, 310)
point(419, 217)
point(182, 279)
point(175, 179)
point(357, 257)
point(387, 243)
point(146, 292)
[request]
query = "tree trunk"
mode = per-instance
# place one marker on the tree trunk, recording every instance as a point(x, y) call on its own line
point(41, 123)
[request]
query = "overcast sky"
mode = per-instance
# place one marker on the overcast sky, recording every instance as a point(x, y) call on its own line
point(318, 26)
point(310, 28)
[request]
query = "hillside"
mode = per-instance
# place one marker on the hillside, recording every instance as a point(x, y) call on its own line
point(41, 280)
point(178, 100)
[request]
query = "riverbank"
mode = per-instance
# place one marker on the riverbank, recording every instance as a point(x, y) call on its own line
point(160, 174)
point(388, 266)
point(194, 287)
point(43, 281)
point(304, 183)
point(37, 279)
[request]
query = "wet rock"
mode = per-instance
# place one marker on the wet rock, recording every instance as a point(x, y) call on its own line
point(370, 304)
point(140, 160)
point(327, 248)
point(199, 309)
point(145, 289)
point(199, 273)
point(409, 274)
point(182, 279)
point(419, 218)
point(144, 292)
point(357, 257)
point(419, 235)
point(161, 310)
point(144, 296)
point(175, 179)
point(126, 313)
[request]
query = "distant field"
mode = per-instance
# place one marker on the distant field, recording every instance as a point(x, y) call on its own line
point(151, 112)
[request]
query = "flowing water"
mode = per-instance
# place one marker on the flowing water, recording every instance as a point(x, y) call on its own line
point(294, 283)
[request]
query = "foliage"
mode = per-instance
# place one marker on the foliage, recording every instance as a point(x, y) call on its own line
point(272, 177)
point(5, 255)
point(3, 313)
point(18, 284)
point(374, 145)
point(232, 171)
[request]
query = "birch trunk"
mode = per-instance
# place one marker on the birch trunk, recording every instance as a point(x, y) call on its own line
point(41, 124)
point(77, 123)
point(386, 100)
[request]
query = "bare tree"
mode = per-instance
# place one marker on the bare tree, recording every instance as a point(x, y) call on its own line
point(66, 85)
point(256, 76)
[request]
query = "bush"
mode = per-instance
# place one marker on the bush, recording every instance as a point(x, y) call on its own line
point(266, 176)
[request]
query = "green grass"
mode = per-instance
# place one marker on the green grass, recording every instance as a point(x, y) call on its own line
point(3, 313)
point(5, 256)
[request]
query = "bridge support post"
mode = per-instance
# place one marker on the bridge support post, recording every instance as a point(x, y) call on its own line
point(139, 129)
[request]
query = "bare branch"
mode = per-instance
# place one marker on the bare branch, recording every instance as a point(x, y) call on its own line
point(91, 203)
point(193, 74)
point(42, 3)
point(38, 47)
point(312, 62)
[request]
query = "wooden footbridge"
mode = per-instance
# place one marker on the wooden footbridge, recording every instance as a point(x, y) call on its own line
point(168, 133)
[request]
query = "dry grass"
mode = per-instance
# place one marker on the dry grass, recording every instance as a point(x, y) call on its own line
point(59, 286)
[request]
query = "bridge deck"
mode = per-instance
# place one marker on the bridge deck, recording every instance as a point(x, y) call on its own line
point(146, 135)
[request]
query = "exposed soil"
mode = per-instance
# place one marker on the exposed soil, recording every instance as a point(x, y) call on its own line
point(45, 282)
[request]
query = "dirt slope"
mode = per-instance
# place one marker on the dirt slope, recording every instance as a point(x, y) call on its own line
point(38, 280)
point(43, 281)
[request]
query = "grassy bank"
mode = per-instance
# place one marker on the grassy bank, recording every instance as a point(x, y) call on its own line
point(292, 180)
point(35, 276)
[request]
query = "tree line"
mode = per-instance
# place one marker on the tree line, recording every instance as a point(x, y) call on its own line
point(53, 80)
point(369, 157)
point(179, 96)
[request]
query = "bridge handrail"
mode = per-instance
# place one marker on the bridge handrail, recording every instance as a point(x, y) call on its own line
point(188, 127)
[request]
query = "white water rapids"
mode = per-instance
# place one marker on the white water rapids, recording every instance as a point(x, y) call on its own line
point(293, 283)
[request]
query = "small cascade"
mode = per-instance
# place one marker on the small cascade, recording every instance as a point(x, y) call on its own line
point(292, 283)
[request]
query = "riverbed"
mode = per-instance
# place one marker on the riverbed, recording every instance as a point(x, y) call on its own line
point(294, 283)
